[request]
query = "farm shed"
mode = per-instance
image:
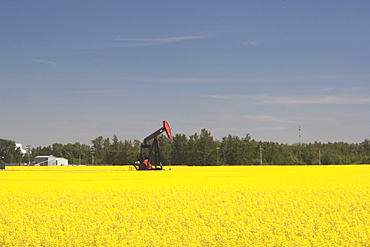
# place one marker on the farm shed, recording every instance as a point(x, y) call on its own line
point(61, 162)
point(50, 160)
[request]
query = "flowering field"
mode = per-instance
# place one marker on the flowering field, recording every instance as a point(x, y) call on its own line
point(185, 206)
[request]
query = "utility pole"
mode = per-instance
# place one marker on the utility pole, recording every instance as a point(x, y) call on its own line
point(319, 156)
point(29, 153)
point(92, 157)
point(217, 153)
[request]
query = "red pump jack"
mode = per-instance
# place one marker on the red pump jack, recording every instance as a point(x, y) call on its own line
point(150, 156)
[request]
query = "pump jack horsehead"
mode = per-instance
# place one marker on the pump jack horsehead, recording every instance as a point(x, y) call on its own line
point(150, 156)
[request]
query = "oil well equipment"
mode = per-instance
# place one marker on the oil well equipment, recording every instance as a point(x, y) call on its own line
point(150, 157)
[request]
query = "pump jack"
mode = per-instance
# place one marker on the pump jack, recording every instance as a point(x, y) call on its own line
point(150, 156)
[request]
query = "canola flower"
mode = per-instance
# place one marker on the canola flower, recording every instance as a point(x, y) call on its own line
point(187, 206)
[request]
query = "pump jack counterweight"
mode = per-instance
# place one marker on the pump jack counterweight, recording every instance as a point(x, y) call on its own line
point(150, 156)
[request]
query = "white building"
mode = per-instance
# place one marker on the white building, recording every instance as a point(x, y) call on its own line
point(19, 145)
point(50, 160)
point(61, 162)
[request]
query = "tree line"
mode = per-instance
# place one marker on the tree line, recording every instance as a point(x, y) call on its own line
point(197, 149)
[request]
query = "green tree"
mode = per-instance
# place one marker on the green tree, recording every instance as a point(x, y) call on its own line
point(231, 150)
point(8, 152)
point(116, 151)
point(180, 150)
point(206, 148)
point(97, 150)
point(165, 147)
point(130, 151)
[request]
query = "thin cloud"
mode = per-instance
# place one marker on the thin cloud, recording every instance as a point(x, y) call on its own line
point(94, 92)
point(268, 128)
point(311, 100)
point(192, 80)
point(295, 78)
point(343, 90)
point(263, 99)
point(217, 96)
point(252, 43)
point(149, 42)
point(49, 62)
point(267, 118)
point(176, 80)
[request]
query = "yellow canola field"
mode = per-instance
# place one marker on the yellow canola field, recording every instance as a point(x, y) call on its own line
point(185, 206)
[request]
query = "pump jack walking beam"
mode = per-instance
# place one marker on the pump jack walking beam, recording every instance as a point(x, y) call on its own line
point(166, 128)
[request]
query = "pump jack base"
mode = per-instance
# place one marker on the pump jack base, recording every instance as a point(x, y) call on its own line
point(145, 168)
point(153, 169)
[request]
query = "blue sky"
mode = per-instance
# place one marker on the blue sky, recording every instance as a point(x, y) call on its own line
point(71, 71)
